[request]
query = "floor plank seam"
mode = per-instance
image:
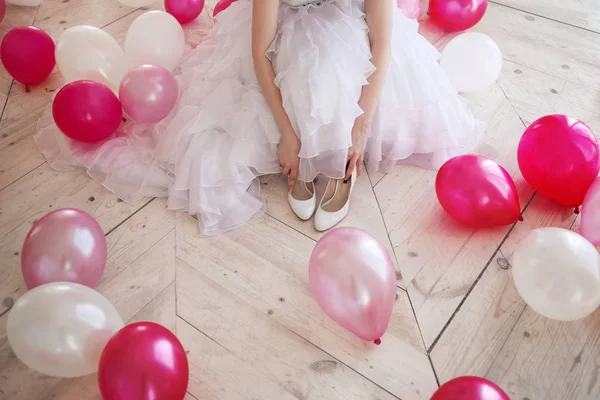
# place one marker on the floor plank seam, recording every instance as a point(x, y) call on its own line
point(512, 105)
point(477, 279)
point(291, 227)
point(129, 217)
point(154, 298)
point(12, 82)
point(544, 17)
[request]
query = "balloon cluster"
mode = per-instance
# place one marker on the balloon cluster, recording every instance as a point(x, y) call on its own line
point(63, 328)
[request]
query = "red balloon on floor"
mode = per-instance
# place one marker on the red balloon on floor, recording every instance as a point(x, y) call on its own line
point(143, 361)
point(87, 111)
point(469, 388)
point(478, 192)
point(222, 5)
point(559, 156)
point(28, 54)
point(457, 15)
point(184, 11)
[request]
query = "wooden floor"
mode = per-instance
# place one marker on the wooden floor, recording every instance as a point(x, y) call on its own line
point(241, 304)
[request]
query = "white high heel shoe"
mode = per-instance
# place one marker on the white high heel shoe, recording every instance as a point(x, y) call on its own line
point(303, 200)
point(335, 203)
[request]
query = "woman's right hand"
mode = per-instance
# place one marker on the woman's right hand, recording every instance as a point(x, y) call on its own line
point(287, 154)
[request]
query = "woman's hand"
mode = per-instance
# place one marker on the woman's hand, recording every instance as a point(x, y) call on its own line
point(360, 135)
point(287, 154)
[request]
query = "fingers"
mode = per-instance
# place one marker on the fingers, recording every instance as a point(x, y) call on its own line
point(351, 166)
point(359, 166)
point(292, 180)
point(286, 170)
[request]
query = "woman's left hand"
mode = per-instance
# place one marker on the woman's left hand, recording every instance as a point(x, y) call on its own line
point(360, 135)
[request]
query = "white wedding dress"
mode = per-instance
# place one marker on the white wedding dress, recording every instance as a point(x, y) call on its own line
point(206, 157)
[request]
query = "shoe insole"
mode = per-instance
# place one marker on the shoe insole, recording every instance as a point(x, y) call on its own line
point(335, 200)
point(301, 191)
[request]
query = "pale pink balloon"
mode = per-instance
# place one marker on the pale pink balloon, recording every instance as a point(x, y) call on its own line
point(354, 281)
point(590, 214)
point(410, 8)
point(66, 245)
point(148, 93)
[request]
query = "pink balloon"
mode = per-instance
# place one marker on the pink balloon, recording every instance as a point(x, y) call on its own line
point(143, 361)
point(148, 93)
point(184, 11)
point(457, 15)
point(222, 5)
point(28, 54)
point(560, 158)
point(477, 192)
point(410, 8)
point(87, 111)
point(66, 245)
point(469, 388)
point(354, 281)
point(590, 214)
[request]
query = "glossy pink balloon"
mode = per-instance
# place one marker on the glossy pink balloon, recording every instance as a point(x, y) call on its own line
point(148, 93)
point(87, 111)
point(222, 5)
point(66, 245)
point(184, 11)
point(411, 8)
point(590, 214)
point(143, 361)
point(469, 388)
point(28, 54)
point(353, 279)
point(559, 156)
point(457, 15)
point(477, 192)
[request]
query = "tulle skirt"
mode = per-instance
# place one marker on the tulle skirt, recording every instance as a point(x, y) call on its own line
point(207, 155)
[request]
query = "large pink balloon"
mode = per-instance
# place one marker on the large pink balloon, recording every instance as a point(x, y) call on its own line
point(353, 279)
point(143, 361)
point(457, 15)
point(28, 54)
point(469, 388)
point(411, 8)
point(590, 214)
point(221, 6)
point(184, 11)
point(87, 111)
point(478, 192)
point(148, 93)
point(66, 245)
point(559, 156)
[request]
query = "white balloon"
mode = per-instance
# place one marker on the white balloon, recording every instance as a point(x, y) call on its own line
point(60, 329)
point(136, 3)
point(88, 53)
point(557, 273)
point(155, 38)
point(26, 3)
point(472, 61)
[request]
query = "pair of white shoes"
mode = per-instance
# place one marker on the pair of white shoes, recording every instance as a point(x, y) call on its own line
point(332, 208)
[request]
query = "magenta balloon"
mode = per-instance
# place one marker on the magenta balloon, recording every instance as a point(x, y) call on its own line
point(469, 388)
point(353, 279)
point(478, 192)
point(221, 6)
point(2, 9)
point(184, 11)
point(590, 214)
point(66, 245)
point(457, 15)
point(148, 93)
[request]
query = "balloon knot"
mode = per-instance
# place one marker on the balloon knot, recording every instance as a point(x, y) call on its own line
point(124, 119)
point(377, 342)
point(577, 210)
point(27, 89)
point(521, 218)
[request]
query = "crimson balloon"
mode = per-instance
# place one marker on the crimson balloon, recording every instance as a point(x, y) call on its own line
point(87, 111)
point(184, 11)
point(560, 158)
point(222, 5)
point(457, 15)
point(143, 361)
point(2, 9)
point(478, 192)
point(28, 54)
point(470, 388)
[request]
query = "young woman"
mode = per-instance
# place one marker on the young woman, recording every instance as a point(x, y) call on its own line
point(297, 87)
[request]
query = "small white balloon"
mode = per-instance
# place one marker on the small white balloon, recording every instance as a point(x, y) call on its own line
point(136, 3)
point(472, 61)
point(60, 329)
point(25, 3)
point(155, 38)
point(557, 273)
point(88, 53)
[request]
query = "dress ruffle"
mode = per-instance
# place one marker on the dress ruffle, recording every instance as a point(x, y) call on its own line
point(207, 154)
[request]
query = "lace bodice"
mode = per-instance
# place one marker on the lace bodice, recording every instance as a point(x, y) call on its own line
point(298, 3)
